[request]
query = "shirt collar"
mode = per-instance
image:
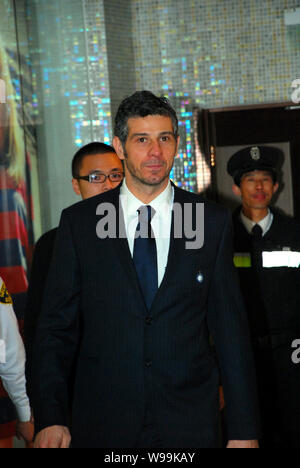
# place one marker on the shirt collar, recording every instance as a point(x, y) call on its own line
point(160, 204)
point(265, 223)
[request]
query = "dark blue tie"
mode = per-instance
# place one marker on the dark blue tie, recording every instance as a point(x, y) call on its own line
point(257, 232)
point(145, 255)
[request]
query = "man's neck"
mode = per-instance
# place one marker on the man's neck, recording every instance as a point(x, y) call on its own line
point(145, 193)
point(256, 215)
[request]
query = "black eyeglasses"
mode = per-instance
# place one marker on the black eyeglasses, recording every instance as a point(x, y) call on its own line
point(99, 178)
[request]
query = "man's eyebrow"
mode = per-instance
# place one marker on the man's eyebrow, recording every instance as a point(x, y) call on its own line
point(147, 134)
point(103, 172)
point(138, 134)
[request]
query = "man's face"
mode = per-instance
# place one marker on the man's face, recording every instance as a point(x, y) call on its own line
point(149, 150)
point(256, 189)
point(104, 163)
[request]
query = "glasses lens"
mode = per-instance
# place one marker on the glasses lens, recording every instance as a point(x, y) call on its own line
point(97, 178)
point(116, 176)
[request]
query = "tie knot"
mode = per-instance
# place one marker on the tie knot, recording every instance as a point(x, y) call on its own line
point(144, 228)
point(146, 213)
point(257, 232)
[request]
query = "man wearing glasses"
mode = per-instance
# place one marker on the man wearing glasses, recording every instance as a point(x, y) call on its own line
point(95, 169)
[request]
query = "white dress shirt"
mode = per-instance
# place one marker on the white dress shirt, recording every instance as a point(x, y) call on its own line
point(12, 360)
point(265, 223)
point(161, 222)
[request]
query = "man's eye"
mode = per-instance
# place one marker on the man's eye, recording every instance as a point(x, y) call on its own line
point(142, 140)
point(165, 138)
point(96, 177)
point(116, 176)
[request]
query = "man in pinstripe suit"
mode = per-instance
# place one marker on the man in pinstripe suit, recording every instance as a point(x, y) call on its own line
point(136, 310)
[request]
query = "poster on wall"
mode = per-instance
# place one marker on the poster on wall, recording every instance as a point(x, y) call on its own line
point(15, 196)
point(17, 170)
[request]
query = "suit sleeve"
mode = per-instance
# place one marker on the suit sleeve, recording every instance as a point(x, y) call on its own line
point(39, 270)
point(228, 324)
point(57, 334)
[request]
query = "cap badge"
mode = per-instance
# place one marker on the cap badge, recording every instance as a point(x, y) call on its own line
point(255, 153)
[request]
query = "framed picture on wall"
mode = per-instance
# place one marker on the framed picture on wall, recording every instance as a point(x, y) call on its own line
point(227, 130)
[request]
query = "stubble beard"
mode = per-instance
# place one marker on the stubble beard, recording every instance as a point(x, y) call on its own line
point(135, 173)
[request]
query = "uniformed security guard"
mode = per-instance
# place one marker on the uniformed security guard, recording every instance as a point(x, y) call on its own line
point(267, 246)
point(12, 367)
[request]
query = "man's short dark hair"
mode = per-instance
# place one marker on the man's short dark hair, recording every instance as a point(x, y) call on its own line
point(89, 150)
point(142, 104)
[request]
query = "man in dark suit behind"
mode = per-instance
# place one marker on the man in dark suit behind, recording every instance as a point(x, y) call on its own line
point(135, 297)
point(96, 168)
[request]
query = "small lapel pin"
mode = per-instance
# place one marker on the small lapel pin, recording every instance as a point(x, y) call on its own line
point(200, 277)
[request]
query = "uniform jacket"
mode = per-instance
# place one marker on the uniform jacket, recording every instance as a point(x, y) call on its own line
point(273, 304)
point(271, 291)
point(15, 252)
point(12, 357)
point(131, 358)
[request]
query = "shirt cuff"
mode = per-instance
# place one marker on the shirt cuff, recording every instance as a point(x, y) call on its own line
point(24, 413)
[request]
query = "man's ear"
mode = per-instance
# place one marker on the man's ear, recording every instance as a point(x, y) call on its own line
point(177, 145)
point(76, 187)
point(118, 147)
point(276, 187)
point(236, 190)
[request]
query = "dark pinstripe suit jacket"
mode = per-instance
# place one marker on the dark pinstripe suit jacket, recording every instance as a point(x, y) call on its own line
point(130, 358)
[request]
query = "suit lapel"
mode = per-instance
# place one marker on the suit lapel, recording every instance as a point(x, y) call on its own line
point(177, 248)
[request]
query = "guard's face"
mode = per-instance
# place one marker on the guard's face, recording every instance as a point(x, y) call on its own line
point(257, 189)
point(150, 149)
point(104, 163)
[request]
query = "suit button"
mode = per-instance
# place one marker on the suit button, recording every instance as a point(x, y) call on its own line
point(148, 320)
point(148, 363)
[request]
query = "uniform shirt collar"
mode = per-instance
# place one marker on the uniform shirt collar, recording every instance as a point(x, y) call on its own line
point(265, 223)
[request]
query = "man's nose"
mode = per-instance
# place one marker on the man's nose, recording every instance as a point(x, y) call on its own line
point(107, 185)
point(156, 148)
